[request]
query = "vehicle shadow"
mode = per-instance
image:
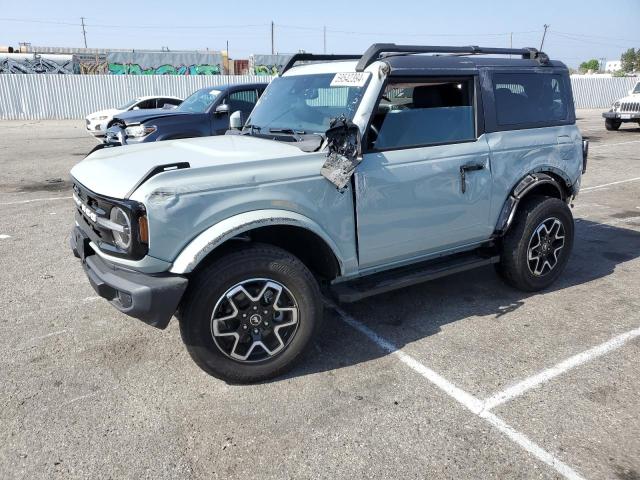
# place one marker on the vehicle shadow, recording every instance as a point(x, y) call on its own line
point(598, 250)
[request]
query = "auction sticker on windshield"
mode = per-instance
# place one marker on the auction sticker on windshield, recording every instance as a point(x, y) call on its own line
point(349, 79)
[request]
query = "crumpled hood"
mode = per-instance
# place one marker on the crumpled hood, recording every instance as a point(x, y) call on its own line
point(115, 171)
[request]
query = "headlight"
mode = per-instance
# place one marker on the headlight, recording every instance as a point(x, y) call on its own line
point(615, 106)
point(122, 238)
point(139, 130)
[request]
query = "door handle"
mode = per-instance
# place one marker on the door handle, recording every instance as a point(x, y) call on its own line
point(563, 139)
point(468, 167)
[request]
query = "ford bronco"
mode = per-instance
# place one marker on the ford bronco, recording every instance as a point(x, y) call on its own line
point(353, 175)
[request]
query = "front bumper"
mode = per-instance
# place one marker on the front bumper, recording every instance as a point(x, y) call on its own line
point(150, 298)
point(622, 116)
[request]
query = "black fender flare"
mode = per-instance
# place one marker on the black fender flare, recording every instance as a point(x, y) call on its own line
point(524, 186)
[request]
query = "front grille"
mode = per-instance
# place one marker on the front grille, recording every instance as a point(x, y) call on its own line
point(630, 107)
point(101, 236)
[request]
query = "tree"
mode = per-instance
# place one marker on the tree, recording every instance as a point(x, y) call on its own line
point(592, 64)
point(630, 60)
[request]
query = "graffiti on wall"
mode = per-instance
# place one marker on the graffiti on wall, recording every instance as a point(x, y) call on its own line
point(166, 69)
point(164, 63)
point(270, 70)
point(268, 64)
point(18, 63)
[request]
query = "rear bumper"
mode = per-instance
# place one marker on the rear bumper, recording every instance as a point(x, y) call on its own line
point(150, 298)
point(622, 116)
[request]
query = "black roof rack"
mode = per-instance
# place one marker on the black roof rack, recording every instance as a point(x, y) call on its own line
point(308, 57)
point(375, 51)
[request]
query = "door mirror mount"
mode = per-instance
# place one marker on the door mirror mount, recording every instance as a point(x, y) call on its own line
point(344, 142)
point(235, 120)
point(222, 108)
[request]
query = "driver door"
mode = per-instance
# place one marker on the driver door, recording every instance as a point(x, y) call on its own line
point(424, 185)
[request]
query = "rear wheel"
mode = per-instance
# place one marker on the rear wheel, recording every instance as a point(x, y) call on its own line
point(612, 124)
point(249, 315)
point(537, 247)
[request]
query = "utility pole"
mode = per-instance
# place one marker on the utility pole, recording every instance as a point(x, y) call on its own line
point(324, 39)
point(273, 48)
point(510, 42)
point(544, 35)
point(84, 32)
point(228, 60)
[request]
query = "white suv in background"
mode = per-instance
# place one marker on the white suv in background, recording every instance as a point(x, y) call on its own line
point(98, 122)
point(626, 109)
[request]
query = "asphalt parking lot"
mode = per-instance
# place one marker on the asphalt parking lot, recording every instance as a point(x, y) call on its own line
point(463, 377)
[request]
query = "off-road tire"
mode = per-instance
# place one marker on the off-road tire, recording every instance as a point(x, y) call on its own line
point(210, 284)
point(514, 265)
point(612, 124)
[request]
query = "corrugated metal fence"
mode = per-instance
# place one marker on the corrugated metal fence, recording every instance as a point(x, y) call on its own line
point(34, 97)
point(595, 92)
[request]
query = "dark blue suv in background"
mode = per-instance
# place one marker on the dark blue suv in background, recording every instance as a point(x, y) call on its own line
point(206, 112)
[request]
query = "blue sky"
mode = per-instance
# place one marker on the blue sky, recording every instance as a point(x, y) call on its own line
point(578, 30)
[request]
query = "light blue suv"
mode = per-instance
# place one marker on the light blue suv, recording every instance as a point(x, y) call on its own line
point(353, 175)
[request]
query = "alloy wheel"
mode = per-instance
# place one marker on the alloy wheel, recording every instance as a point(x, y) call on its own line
point(545, 246)
point(254, 320)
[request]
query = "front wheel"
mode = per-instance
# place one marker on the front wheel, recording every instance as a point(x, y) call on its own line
point(537, 247)
point(249, 315)
point(612, 124)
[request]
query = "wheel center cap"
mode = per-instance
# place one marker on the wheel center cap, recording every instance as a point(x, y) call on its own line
point(255, 320)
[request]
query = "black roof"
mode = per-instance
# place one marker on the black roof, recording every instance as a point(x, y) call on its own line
point(409, 59)
point(411, 64)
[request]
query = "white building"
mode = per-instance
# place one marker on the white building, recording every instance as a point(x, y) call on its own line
point(613, 66)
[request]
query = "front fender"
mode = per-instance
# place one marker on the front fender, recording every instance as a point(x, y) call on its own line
point(222, 231)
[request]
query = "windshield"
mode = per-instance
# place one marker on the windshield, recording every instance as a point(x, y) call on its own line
point(637, 89)
point(199, 102)
point(307, 103)
point(128, 105)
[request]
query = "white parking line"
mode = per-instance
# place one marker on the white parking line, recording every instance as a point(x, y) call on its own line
point(602, 145)
point(571, 362)
point(19, 202)
point(635, 179)
point(472, 403)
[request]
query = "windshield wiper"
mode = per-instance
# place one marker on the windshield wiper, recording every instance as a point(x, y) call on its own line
point(251, 129)
point(287, 131)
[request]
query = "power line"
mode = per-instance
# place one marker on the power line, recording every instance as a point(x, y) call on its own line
point(582, 40)
point(103, 25)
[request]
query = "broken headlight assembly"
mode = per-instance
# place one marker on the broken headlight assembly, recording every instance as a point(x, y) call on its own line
point(120, 228)
point(138, 131)
point(615, 106)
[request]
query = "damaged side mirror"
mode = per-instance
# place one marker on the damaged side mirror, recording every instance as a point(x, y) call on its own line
point(344, 143)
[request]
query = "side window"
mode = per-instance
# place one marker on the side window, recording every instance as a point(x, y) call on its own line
point(243, 100)
point(529, 99)
point(170, 101)
point(146, 104)
point(423, 113)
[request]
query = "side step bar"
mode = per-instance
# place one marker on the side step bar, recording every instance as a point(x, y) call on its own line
point(355, 290)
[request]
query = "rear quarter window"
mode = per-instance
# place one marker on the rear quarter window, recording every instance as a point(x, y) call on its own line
point(530, 99)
